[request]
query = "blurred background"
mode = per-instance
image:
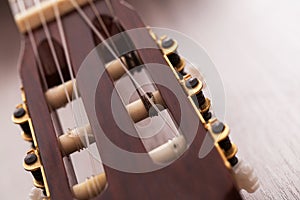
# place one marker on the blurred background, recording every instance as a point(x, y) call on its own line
point(255, 46)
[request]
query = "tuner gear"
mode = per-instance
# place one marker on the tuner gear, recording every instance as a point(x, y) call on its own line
point(21, 117)
point(32, 164)
point(169, 47)
point(191, 84)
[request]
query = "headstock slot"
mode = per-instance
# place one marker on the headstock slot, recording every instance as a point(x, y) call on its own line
point(102, 22)
point(48, 63)
point(154, 129)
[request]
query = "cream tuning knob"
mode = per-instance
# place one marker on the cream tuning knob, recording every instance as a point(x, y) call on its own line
point(35, 194)
point(57, 97)
point(75, 140)
point(245, 177)
point(21, 117)
point(92, 187)
point(169, 151)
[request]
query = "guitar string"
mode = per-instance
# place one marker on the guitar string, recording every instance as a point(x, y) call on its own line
point(57, 64)
point(53, 52)
point(66, 53)
point(22, 8)
point(103, 26)
point(87, 20)
point(115, 19)
point(91, 156)
point(43, 21)
point(101, 22)
point(37, 3)
point(52, 49)
point(100, 19)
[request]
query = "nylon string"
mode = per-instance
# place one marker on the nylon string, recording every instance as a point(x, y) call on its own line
point(100, 36)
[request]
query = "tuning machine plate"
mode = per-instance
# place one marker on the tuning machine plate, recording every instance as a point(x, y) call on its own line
point(21, 117)
point(33, 164)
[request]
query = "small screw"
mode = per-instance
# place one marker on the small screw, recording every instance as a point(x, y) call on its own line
point(30, 159)
point(218, 127)
point(192, 82)
point(19, 112)
point(167, 42)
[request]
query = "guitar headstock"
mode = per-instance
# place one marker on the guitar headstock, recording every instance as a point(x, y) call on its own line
point(139, 102)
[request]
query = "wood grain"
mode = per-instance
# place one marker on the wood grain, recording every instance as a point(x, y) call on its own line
point(255, 47)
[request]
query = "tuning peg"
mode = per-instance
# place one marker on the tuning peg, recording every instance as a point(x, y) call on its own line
point(115, 68)
point(169, 47)
point(92, 187)
point(220, 132)
point(243, 173)
point(194, 88)
point(169, 151)
point(74, 140)
point(21, 117)
point(245, 177)
point(57, 96)
point(139, 111)
point(35, 194)
point(32, 164)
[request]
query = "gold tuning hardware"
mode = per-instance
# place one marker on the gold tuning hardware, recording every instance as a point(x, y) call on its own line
point(220, 133)
point(242, 173)
point(219, 130)
point(230, 154)
point(169, 47)
point(21, 117)
point(33, 164)
point(193, 86)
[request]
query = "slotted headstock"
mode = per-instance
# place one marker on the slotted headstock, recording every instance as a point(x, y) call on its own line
point(62, 62)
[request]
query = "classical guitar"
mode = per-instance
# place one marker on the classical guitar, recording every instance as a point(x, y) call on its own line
point(137, 106)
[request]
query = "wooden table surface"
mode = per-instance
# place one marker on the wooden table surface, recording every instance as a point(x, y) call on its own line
point(255, 46)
